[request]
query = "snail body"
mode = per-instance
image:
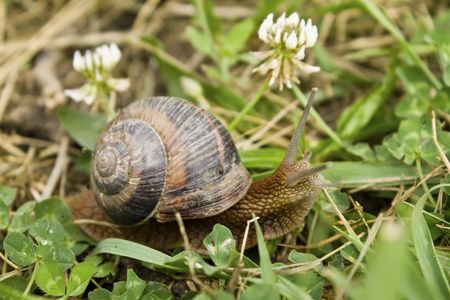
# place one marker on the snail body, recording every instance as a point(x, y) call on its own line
point(163, 155)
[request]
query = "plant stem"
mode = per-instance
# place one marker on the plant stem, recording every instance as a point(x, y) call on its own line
point(249, 106)
point(33, 275)
point(425, 186)
point(381, 17)
point(302, 98)
point(205, 26)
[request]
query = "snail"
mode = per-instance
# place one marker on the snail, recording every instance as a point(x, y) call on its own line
point(163, 155)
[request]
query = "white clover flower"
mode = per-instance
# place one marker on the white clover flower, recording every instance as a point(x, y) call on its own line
point(96, 66)
point(288, 37)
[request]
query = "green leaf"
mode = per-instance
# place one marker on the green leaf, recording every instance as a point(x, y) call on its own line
point(50, 278)
point(265, 158)
point(75, 239)
point(105, 270)
point(20, 249)
point(99, 294)
point(310, 283)
point(218, 295)
point(53, 209)
point(447, 75)
point(361, 172)
point(135, 286)
point(198, 40)
point(357, 116)
point(298, 257)
point(96, 260)
point(83, 161)
point(79, 278)
point(22, 219)
point(64, 257)
point(340, 199)
point(290, 290)
point(119, 290)
point(7, 195)
point(8, 292)
point(15, 282)
point(159, 290)
point(48, 235)
point(132, 250)
point(237, 37)
point(4, 215)
point(362, 150)
point(260, 291)
point(426, 253)
point(219, 243)
point(417, 100)
point(83, 127)
point(267, 273)
point(442, 99)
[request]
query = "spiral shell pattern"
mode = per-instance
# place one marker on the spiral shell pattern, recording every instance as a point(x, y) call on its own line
point(163, 155)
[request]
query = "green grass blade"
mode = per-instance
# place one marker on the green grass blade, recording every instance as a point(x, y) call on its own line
point(425, 251)
point(267, 272)
point(133, 250)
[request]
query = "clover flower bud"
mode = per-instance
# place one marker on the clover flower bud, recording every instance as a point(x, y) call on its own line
point(291, 41)
point(288, 37)
point(96, 66)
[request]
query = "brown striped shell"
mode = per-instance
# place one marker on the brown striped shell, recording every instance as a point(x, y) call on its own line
point(163, 155)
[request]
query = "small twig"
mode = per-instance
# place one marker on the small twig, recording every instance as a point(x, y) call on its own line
point(191, 265)
point(302, 267)
point(332, 238)
point(258, 135)
point(369, 240)
point(338, 212)
point(114, 227)
point(244, 240)
point(7, 91)
point(443, 156)
point(60, 163)
point(413, 188)
point(5, 259)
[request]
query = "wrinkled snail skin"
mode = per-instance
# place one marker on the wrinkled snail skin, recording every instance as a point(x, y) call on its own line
point(202, 178)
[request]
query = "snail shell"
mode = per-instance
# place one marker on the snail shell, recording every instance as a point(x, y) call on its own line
point(163, 155)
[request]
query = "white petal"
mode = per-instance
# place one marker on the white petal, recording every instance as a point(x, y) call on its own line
point(261, 55)
point(281, 21)
point(310, 69)
point(274, 28)
point(272, 80)
point(78, 62)
point(312, 36)
point(302, 25)
point(89, 61)
point(115, 52)
point(120, 84)
point(278, 36)
point(262, 33)
point(75, 94)
point(85, 93)
point(96, 59)
point(274, 63)
point(302, 38)
point(191, 87)
point(293, 20)
point(301, 53)
point(269, 23)
point(291, 42)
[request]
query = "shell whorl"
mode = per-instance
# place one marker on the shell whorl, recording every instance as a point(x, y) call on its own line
point(129, 171)
point(163, 155)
